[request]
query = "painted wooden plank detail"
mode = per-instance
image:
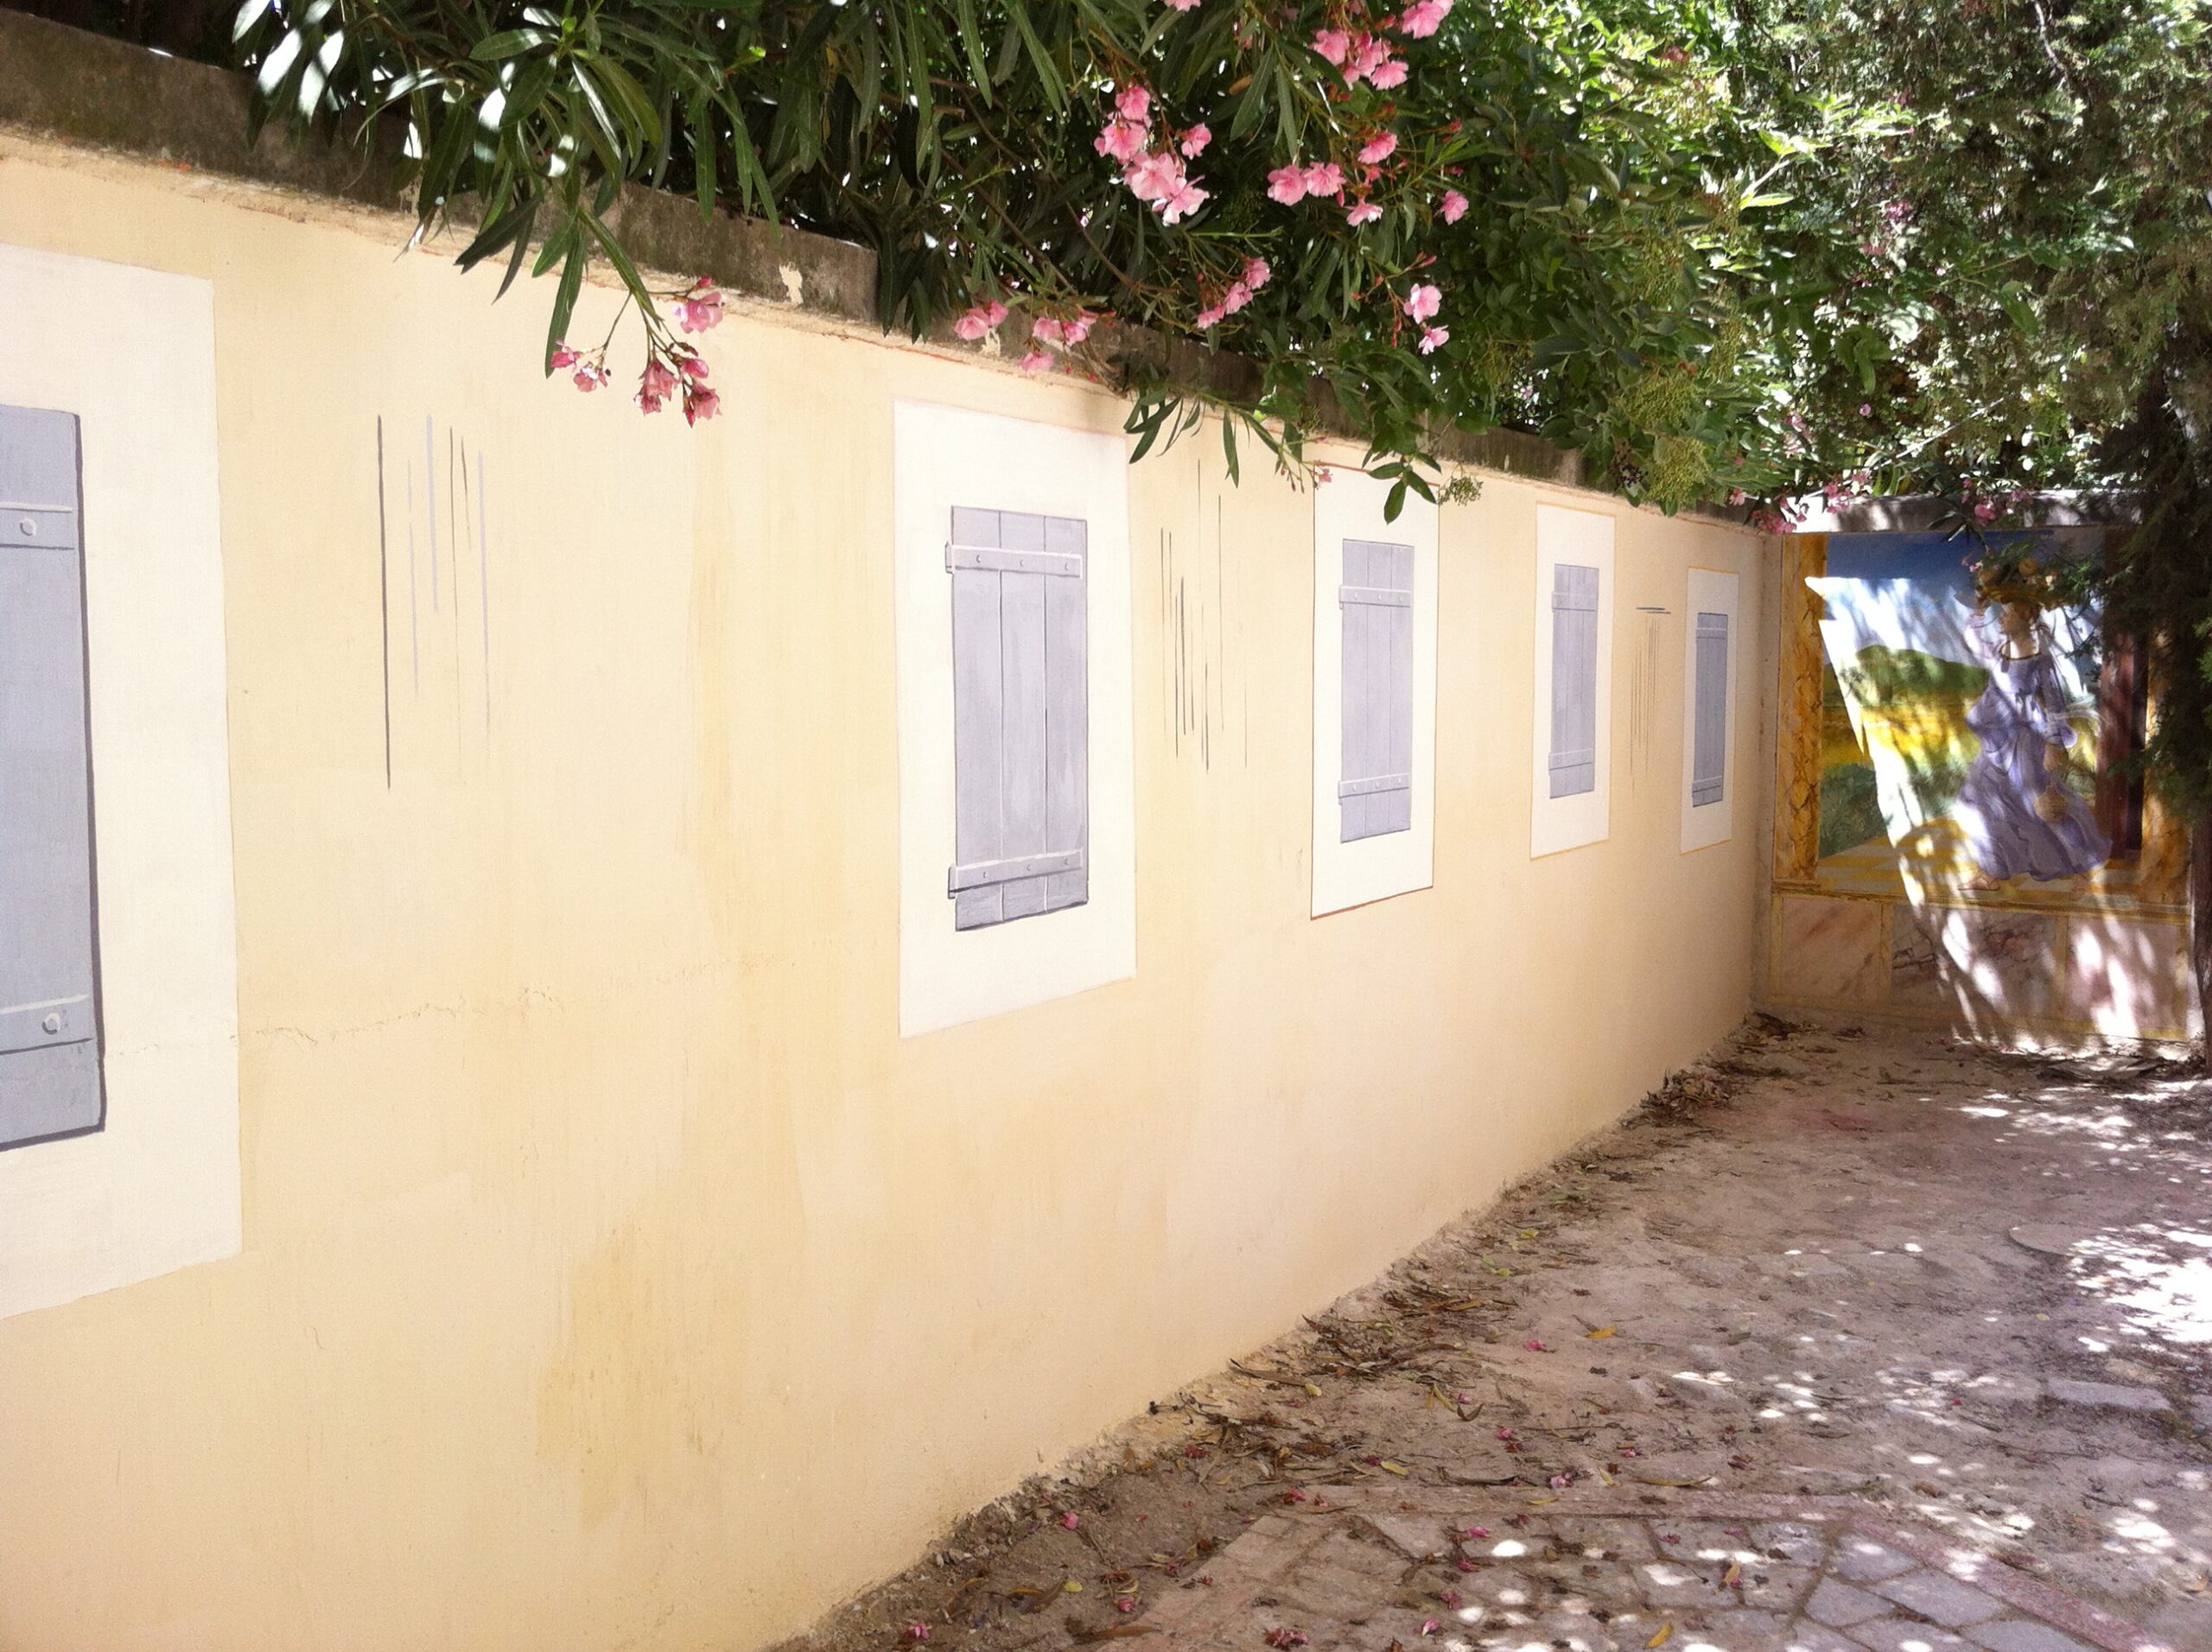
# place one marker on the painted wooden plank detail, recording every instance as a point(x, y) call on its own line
point(1573, 766)
point(1379, 782)
point(1014, 561)
point(1028, 866)
point(1709, 746)
point(49, 1019)
point(1375, 600)
point(1020, 715)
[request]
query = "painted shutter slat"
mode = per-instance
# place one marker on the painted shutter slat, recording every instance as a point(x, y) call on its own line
point(1709, 751)
point(977, 760)
point(1573, 765)
point(1375, 789)
point(1020, 715)
point(1021, 609)
point(1393, 811)
point(1067, 714)
point(49, 1028)
point(1354, 763)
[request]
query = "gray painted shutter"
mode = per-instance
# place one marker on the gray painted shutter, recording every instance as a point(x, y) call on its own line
point(50, 1019)
point(1709, 747)
point(1574, 680)
point(1374, 787)
point(1020, 715)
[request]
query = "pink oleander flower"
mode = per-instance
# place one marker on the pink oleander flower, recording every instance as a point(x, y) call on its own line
point(918, 1632)
point(690, 364)
point(1423, 302)
point(1433, 339)
point(656, 387)
point(1036, 359)
point(1286, 185)
point(1333, 44)
point(1256, 273)
point(1184, 5)
point(1362, 212)
point(1391, 72)
point(564, 355)
point(1123, 139)
point(700, 403)
point(1236, 298)
point(1071, 1520)
point(1423, 17)
point(1368, 55)
point(589, 376)
point(701, 309)
point(1134, 103)
point(1053, 330)
point(1325, 178)
point(1454, 207)
point(1153, 176)
point(1381, 147)
point(1181, 201)
point(1196, 139)
point(1213, 316)
point(1984, 510)
point(979, 319)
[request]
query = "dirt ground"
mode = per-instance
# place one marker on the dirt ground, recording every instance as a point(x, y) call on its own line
point(1826, 1260)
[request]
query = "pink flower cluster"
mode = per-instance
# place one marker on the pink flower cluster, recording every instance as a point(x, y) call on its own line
point(980, 318)
point(1154, 176)
point(1239, 294)
point(1060, 333)
point(1291, 185)
point(671, 370)
point(700, 309)
point(1422, 303)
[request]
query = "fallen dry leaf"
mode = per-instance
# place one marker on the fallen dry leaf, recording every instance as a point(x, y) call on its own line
point(1662, 1479)
point(1602, 1333)
point(1116, 1631)
point(1666, 1631)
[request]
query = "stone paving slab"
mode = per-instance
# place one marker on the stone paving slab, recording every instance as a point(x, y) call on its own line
point(1470, 1570)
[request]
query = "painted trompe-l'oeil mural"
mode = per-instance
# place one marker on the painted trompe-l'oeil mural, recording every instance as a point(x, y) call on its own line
point(1975, 722)
point(1962, 830)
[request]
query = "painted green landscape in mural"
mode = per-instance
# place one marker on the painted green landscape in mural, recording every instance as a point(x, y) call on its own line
point(1915, 703)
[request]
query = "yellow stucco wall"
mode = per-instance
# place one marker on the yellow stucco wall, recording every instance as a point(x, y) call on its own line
point(613, 1275)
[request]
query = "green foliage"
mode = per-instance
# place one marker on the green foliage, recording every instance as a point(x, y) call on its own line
point(1851, 807)
point(1593, 288)
point(1882, 676)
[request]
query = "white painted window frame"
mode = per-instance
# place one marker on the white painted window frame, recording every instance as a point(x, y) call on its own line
point(1349, 506)
point(1557, 824)
point(157, 1189)
point(1711, 591)
point(946, 456)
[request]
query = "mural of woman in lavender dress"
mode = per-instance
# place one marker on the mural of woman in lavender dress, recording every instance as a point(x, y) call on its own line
point(2020, 817)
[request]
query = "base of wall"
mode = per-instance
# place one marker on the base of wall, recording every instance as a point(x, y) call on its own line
point(1984, 969)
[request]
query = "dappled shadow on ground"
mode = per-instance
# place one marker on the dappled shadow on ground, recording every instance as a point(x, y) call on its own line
point(1970, 1289)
